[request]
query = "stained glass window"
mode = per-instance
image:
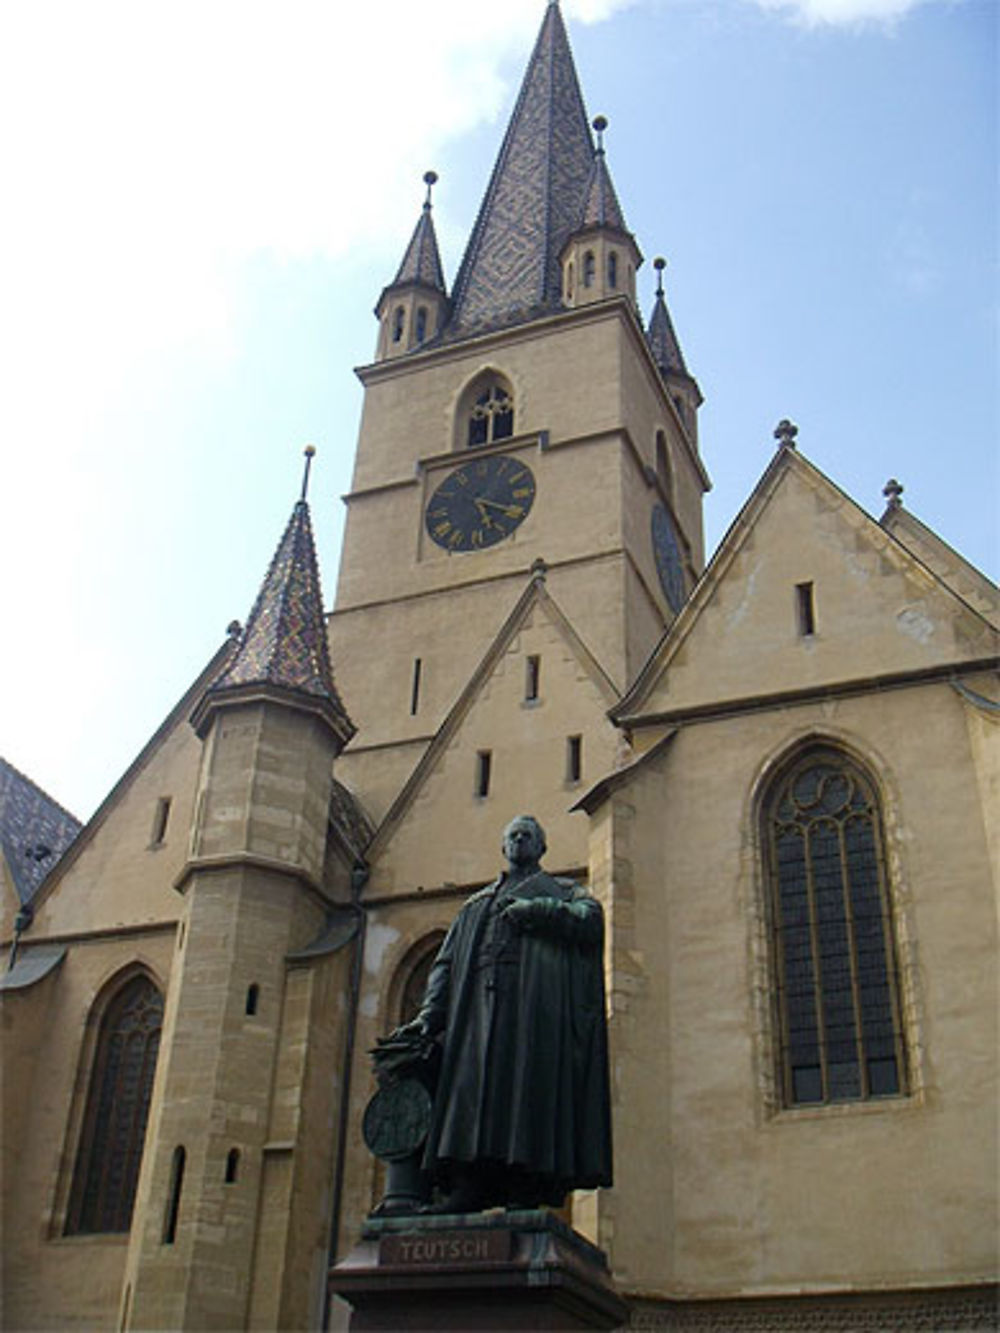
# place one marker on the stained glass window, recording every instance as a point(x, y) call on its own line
point(114, 1128)
point(837, 994)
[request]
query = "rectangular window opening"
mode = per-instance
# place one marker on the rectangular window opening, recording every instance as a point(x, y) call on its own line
point(574, 758)
point(806, 605)
point(415, 687)
point(174, 1197)
point(161, 818)
point(532, 678)
point(484, 765)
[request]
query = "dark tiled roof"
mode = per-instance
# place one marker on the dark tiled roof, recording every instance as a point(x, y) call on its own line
point(533, 202)
point(663, 340)
point(350, 820)
point(284, 643)
point(600, 202)
point(422, 261)
point(34, 830)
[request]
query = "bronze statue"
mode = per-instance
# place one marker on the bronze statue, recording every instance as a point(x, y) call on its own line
point(519, 1108)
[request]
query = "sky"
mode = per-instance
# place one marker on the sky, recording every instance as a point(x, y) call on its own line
point(204, 199)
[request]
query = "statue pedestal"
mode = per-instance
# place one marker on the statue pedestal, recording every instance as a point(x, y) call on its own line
point(476, 1271)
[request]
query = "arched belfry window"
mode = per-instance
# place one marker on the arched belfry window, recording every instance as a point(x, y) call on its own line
point(490, 413)
point(114, 1124)
point(835, 971)
point(589, 269)
point(613, 270)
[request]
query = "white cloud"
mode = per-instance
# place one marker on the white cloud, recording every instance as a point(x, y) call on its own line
point(814, 13)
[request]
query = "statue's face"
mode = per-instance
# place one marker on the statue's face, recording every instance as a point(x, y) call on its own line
point(522, 842)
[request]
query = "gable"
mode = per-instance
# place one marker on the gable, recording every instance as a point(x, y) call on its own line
point(807, 592)
point(121, 869)
point(440, 825)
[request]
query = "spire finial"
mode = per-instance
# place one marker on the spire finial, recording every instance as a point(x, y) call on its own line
point(659, 263)
point(785, 432)
point(892, 490)
point(430, 180)
point(600, 124)
point(309, 453)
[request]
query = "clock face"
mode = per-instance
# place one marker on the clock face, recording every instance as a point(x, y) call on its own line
point(666, 550)
point(480, 503)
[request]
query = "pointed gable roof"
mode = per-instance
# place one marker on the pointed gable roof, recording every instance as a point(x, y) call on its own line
point(284, 644)
point(510, 271)
point(34, 830)
point(884, 615)
point(422, 261)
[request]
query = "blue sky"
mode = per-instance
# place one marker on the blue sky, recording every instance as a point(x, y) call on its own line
point(210, 198)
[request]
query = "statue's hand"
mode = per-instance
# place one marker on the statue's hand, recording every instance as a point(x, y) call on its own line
point(527, 915)
point(413, 1032)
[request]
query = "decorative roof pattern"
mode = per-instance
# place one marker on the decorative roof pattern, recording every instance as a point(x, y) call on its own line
point(284, 642)
point(600, 202)
point(34, 830)
point(422, 260)
point(510, 271)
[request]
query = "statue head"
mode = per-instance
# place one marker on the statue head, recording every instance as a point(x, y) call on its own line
point(523, 842)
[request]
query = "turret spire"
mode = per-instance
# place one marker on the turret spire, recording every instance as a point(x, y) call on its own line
point(661, 336)
point(422, 260)
point(284, 647)
point(600, 202)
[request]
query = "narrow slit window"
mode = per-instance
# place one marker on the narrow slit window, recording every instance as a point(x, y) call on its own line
point(806, 605)
point(484, 767)
point(421, 330)
point(532, 678)
point(174, 1198)
point(397, 324)
point(415, 686)
point(232, 1165)
point(613, 270)
point(161, 818)
point(589, 269)
point(253, 997)
point(574, 758)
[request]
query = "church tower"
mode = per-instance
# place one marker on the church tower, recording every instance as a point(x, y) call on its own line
point(236, 1126)
point(524, 519)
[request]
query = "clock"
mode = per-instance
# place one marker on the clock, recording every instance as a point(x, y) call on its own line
point(480, 503)
point(666, 551)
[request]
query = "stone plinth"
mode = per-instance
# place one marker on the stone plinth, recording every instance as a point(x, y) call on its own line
point(476, 1271)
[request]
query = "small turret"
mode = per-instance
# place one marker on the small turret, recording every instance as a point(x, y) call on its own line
point(413, 308)
point(600, 258)
point(681, 385)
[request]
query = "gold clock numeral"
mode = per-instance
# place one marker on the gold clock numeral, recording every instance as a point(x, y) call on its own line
point(442, 529)
point(521, 493)
point(477, 536)
point(456, 538)
point(515, 511)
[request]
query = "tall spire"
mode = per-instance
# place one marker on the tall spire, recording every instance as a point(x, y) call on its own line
point(284, 646)
point(511, 271)
point(661, 336)
point(422, 260)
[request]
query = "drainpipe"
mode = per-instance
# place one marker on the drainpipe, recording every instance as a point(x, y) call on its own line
point(22, 921)
point(359, 878)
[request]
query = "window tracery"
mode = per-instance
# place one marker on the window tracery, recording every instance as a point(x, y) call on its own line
point(836, 989)
point(491, 416)
point(114, 1126)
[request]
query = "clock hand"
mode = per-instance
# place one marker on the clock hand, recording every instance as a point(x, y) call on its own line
point(510, 511)
point(481, 506)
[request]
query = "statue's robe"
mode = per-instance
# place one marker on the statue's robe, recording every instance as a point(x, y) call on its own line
point(523, 1084)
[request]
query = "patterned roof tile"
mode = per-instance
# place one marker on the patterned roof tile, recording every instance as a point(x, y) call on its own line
point(600, 204)
point(422, 260)
point(284, 643)
point(663, 340)
point(34, 830)
point(510, 271)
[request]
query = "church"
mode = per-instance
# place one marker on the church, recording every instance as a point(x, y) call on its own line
point(777, 769)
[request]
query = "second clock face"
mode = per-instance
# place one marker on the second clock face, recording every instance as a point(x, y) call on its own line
point(666, 551)
point(480, 503)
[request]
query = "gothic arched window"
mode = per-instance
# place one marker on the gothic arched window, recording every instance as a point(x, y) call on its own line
point(491, 416)
point(421, 330)
point(114, 1124)
point(414, 972)
point(613, 269)
point(836, 988)
point(588, 269)
point(398, 319)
